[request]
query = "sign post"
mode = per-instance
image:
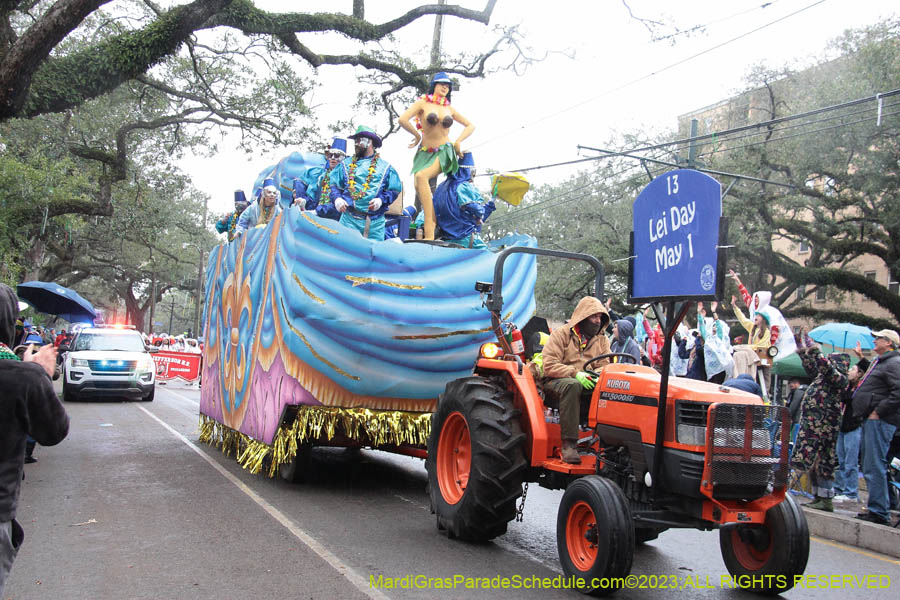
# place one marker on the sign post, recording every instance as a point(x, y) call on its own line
point(678, 230)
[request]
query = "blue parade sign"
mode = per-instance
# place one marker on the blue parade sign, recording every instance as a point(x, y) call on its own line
point(675, 243)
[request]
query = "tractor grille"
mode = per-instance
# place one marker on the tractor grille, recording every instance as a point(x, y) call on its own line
point(747, 450)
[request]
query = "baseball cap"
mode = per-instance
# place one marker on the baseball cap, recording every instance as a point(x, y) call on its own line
point(888, 334)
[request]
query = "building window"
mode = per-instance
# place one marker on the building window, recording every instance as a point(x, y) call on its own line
point(870, 275)
point(804, 247)
point(820, 293)
point(894, 286)
point(801, 292)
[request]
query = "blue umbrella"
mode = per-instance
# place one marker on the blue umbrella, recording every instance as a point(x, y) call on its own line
point(54, 299)
point(843, 335)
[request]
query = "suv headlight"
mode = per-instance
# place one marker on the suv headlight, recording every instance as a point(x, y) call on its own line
point(80, 362)
point(145, 364)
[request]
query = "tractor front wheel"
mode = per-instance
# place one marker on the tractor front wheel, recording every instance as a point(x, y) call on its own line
point(595, 534)
point(765, 558)
point(475, 459)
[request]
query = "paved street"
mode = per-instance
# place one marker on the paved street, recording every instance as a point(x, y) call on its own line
point(130, 507)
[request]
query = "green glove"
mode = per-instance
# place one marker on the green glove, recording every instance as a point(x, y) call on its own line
point(538, 361)
point(586, 379)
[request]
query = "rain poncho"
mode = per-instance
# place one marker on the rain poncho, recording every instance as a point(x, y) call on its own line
point(716, 347)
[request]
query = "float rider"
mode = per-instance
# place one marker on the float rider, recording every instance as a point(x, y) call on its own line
point(228, 223)
point(564, 356)
point(312, 190)
point(460, 208)
point(364, 186)
point(261, 212)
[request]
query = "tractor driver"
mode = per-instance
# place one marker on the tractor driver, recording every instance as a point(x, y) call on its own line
point(565, 354)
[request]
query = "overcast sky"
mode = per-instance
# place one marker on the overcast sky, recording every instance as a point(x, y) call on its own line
point(615, 78)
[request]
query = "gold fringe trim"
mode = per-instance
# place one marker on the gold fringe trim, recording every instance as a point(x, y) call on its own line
point(370, 427)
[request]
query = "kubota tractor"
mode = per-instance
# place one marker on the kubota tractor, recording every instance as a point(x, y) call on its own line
point(704, 458)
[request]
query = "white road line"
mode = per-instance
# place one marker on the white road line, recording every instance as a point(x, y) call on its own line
point(358, 581)
point(183, 397)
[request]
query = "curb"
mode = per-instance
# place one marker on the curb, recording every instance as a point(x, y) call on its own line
point(838, 527)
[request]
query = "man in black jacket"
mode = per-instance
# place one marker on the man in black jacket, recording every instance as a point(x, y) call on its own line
point(877, 399)
point(28, 406)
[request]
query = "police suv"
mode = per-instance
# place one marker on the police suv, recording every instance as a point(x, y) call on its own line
point(108, 361)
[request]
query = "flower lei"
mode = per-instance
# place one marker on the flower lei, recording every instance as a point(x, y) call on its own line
point(433, 99)
point(351, 168)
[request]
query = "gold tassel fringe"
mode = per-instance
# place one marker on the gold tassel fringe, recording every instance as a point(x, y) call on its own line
point(369, 427)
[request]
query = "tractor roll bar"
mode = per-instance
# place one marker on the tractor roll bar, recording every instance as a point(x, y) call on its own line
point(495, 300)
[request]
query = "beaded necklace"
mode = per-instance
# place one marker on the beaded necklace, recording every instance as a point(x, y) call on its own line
point(6, 353)
point(234, 221)
point(267, 213)
point(351, 168)
point(326, 185)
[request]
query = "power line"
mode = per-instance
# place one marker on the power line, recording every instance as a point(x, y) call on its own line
point(649, 75)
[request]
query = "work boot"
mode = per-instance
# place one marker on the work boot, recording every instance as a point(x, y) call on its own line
point(822, 504)
point(569, 452)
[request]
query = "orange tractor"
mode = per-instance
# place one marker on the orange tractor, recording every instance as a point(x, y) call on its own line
point(704, 457)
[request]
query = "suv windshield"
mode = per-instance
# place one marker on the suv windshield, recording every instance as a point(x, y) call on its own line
point(108, 341)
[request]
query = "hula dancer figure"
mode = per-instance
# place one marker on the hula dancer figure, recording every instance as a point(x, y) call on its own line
point(261, 212)
point(364, 186)
point(434, 116)
point(460, 208)
point(228, 223)
point(312, 190)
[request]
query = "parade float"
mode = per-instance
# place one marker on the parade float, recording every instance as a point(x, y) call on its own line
point(315, 335)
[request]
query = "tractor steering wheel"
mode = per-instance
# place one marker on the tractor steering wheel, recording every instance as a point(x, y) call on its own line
point(604, 356)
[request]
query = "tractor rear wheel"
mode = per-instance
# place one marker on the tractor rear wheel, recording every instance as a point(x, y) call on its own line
point(595, 534)
point(475, 461)
point(767, 557)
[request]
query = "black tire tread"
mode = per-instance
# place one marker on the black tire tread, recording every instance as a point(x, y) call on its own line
point(498, 459)
point(790, 553)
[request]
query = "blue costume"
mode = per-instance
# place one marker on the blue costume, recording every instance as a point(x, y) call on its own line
point(459, 207)
point(383, 183)
point(310, 185)
point(255, 213)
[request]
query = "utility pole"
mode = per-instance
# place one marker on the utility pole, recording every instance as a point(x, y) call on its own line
point(171, 314)
point(435, 65)
point(199, 296)
point(436, 39)
point(150, 327)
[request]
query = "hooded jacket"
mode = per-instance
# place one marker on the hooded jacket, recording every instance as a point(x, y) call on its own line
point(28, 406)
point(625, 343)
point(563, 354)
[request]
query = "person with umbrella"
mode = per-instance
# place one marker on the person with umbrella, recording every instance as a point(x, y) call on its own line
point(28, 406)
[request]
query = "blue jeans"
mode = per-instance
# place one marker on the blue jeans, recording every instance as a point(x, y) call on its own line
point(846, 478)
point(876, 441)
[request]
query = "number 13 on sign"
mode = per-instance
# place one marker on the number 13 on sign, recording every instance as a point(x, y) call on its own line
point(672, 184)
